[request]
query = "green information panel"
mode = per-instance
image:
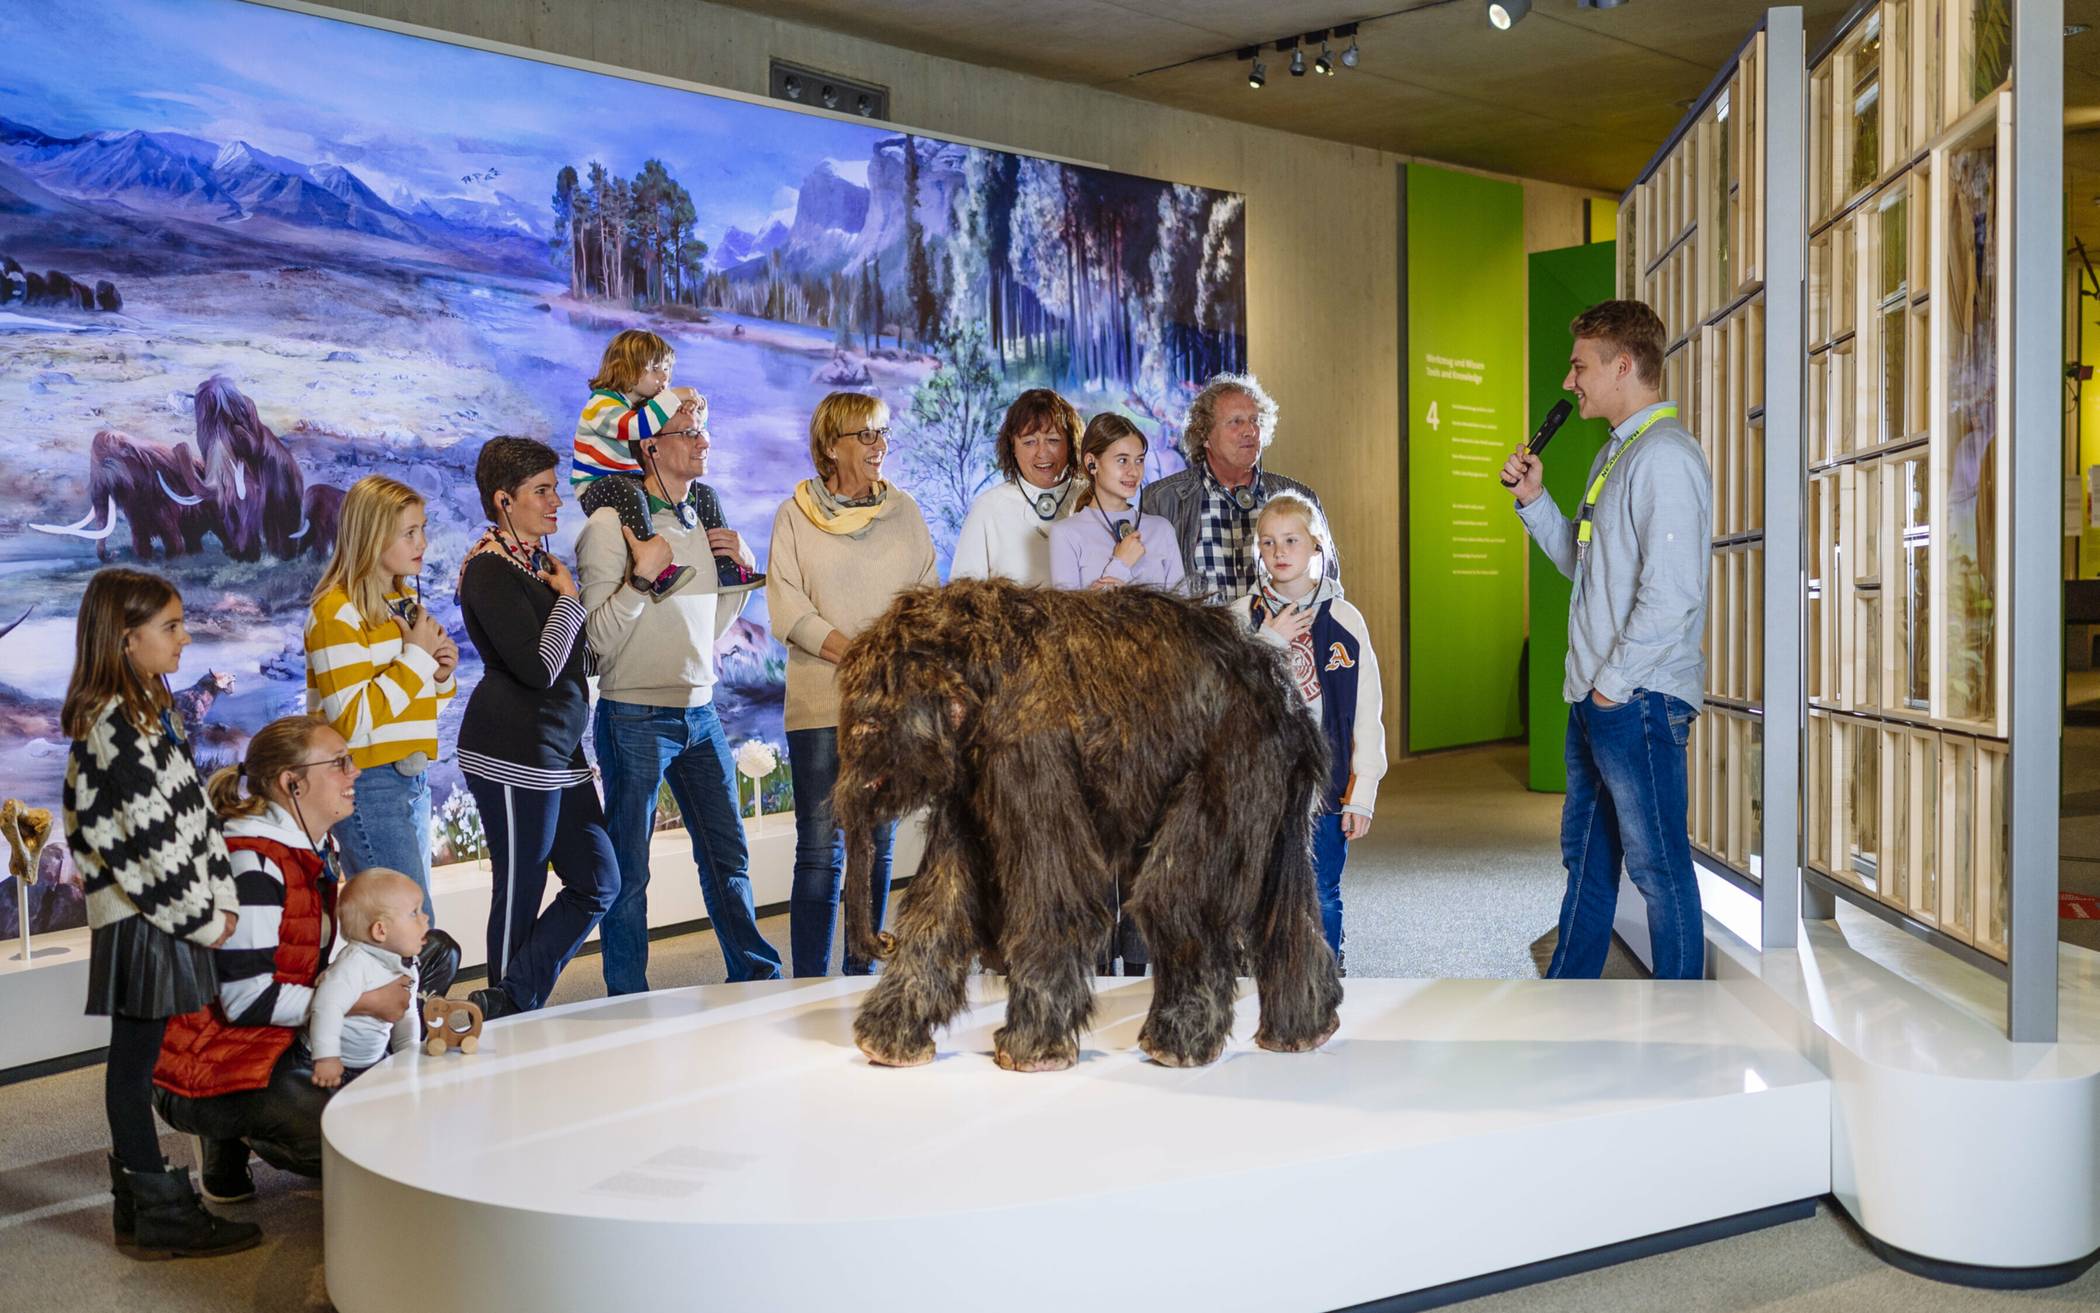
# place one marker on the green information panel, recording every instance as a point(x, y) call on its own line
point(1564, 283)
point(1466, 278)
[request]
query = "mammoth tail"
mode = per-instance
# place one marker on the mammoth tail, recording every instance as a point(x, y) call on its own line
point(862, 939)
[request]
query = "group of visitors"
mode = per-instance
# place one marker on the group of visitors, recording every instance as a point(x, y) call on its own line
point(216, 907)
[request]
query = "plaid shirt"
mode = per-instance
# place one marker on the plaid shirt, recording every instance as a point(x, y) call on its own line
point(1225, 540)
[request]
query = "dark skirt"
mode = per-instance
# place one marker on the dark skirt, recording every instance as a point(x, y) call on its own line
point(136, 969)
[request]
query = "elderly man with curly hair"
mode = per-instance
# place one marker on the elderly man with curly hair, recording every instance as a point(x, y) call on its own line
point(1213, 503)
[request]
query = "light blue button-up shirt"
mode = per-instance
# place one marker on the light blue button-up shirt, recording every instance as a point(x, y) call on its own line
point(1637, 619)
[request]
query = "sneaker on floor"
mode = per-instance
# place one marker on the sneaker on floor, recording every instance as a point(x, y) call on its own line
point(222, 1170)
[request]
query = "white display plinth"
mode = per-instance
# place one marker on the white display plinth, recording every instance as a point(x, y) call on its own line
point(727, 1147)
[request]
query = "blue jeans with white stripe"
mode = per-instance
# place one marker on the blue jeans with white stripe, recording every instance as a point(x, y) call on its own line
point(1626, 800)
point(527, 828)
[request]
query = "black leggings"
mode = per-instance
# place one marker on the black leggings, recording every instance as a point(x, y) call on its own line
point(624, 493)
point(127, 1091)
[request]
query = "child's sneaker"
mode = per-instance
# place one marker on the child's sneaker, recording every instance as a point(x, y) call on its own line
point(670, 581)
point(732, 575)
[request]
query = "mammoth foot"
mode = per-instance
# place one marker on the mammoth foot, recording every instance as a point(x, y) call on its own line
point(1184, 1055)
point(1276, 1043)
point(1013, 1055)
point(898, 1056)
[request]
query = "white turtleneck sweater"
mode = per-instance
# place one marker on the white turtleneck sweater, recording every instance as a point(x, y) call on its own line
point(1003, 538)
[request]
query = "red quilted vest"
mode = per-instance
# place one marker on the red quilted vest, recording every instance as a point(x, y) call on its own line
point(203, 1056)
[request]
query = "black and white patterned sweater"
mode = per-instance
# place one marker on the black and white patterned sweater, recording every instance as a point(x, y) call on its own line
point(144, 838)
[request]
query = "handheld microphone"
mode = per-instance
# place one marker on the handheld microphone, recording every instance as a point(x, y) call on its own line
point(1547, 428)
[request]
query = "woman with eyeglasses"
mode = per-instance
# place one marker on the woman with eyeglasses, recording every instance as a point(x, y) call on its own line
point(843, 547)
point(234, 1074)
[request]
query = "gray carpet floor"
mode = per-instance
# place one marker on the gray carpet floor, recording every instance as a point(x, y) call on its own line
point(1458, 878)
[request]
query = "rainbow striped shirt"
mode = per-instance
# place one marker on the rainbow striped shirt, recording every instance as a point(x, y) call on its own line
point(611, 423)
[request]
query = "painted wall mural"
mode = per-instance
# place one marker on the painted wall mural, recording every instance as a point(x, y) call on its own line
point(277, 252)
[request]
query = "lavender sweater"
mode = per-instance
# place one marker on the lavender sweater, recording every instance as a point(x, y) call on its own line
point(1082, 549)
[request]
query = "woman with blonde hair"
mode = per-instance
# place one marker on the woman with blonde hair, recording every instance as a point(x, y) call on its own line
point(843, 547)
point(378, 666)
point(235, 1075)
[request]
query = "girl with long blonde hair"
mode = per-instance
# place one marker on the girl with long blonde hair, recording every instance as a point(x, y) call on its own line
point(378, 667)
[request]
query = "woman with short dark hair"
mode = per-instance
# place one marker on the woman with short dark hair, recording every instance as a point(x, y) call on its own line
point(1006, 535)
point(521, 741)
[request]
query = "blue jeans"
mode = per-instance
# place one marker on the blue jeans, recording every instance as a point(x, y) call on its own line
point(527, 828)
point(820, 857)
point(1627, 799)
point(1329, 851)
point(639, 747)
point(391, 827)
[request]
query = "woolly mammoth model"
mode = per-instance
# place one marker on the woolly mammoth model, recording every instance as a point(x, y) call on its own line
point(1071, 748)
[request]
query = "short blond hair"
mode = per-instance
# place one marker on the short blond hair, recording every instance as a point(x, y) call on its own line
point(367, 899)
point(1290, 503)
point(836, 416)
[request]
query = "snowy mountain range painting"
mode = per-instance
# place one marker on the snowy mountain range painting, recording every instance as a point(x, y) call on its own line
point(282, 251)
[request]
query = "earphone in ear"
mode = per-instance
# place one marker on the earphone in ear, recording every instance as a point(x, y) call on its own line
point(1092, 468)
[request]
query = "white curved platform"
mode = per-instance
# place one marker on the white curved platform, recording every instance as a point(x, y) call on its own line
point(726, 1147)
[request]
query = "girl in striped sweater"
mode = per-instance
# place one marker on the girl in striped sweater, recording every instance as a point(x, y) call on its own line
point(378, 667)
point(160, 890)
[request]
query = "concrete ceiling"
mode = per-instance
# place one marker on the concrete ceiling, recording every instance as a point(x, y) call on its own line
point(1570, 95)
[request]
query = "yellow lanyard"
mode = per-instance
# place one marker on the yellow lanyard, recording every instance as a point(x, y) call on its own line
point(1589, 501)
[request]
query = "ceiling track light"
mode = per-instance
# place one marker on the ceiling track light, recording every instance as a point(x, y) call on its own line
point(1506, 14)
point(1297, 63)
point(1259, 72)
point(1324, 65)
point(1353, 53)
point(1294, 46)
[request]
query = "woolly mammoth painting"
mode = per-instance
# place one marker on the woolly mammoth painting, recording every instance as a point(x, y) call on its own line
point(227, 293)
point(1074, 749)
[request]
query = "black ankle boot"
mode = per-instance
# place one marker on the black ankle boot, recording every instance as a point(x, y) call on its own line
point(172, 1224)
point(438, 964)
point(222, 1170)
point(124, 1216)
point(493, 1003)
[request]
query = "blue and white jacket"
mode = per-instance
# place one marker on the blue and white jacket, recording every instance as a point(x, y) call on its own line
point(1336, 672)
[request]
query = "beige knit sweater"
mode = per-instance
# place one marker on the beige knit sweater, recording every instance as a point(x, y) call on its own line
point(817, 582)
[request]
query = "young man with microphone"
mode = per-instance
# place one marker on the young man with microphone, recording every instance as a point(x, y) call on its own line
point(1637, 550)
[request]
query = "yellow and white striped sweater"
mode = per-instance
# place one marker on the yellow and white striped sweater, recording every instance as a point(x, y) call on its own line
point(378, 692)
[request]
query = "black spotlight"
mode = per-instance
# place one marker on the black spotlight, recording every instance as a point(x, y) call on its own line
point(1297, 63)
point(831, 96)
point(1258, 75)
point(865, 105)
point(1506, 14)
point(793, 87)
point(1324, 65)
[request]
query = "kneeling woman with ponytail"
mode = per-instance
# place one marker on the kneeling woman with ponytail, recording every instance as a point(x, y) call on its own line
point(234, 1074)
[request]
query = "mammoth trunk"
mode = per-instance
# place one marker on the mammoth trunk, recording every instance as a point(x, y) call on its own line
point(861, 939)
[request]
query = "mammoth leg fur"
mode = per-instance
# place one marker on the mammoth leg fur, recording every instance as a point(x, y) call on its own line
point(924, 979)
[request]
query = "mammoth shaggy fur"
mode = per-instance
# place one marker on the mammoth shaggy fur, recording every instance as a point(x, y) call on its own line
point(253, 476)
point(159, 490)
point(1071, 749)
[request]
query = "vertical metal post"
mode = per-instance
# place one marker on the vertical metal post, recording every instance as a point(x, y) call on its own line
point(1786, 251)
point(2034, 393)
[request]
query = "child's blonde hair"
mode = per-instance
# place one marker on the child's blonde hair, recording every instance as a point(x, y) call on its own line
point(1290, 503)
point(632, 351)
point(364, 527)
point(363, 903)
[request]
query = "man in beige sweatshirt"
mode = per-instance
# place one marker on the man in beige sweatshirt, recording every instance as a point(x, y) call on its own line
point(656, 719)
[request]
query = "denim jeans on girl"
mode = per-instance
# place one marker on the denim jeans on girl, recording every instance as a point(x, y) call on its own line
point(639, 748)
point(527, 828)
point(820, 857)
point(391, 827)
point(1627, 799)
point(1329, 851)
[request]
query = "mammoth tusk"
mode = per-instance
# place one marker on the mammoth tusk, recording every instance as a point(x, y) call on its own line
point(80, 530)
point(18, 619)
point(304, 525)
point(240, 482)
point(172, 495)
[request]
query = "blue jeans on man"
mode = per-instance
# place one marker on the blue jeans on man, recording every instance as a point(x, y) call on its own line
point(1626, 801)
point(640, 748)
point(820, 858)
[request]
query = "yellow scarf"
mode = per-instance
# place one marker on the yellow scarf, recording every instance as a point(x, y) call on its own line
point(825, 511)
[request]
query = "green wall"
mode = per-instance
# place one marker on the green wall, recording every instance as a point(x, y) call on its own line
point(1465, 403)
point(1564, 283)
